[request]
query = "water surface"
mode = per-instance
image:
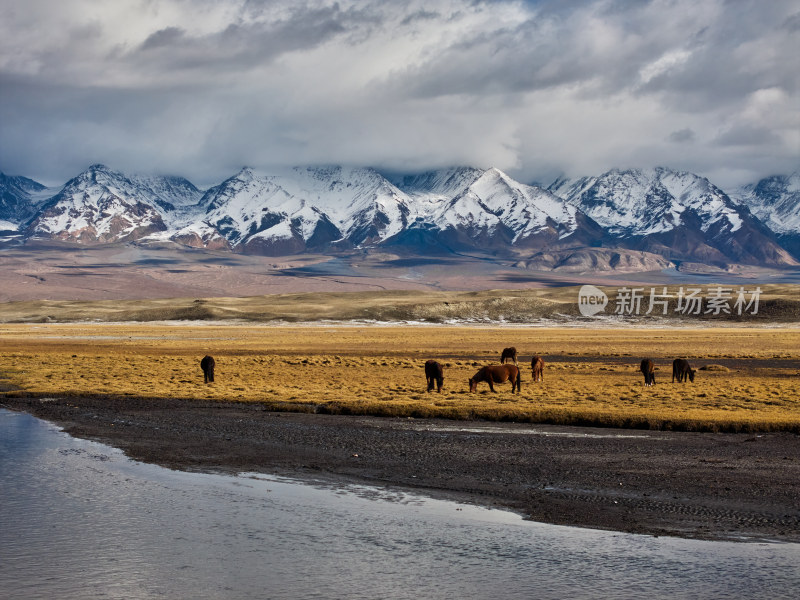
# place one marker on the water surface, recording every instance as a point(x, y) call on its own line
point(79, 520)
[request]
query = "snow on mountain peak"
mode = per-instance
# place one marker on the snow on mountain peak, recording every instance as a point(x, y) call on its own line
point(649, 201)
point(332, 203)
point(98, 205)
point(317, 208)
point(487, 203)
point(775, 200)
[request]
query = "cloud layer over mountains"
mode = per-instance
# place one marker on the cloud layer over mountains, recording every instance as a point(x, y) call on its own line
point(536, 88)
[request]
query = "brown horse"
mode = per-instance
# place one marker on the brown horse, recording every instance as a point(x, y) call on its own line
point(508, 353)
point(537, 366)
point(492, 374)
point(207, 364)
point(434, 373)
point(682, 370)
point(648, 369)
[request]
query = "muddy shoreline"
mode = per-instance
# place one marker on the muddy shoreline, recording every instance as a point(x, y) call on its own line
point(695, 485)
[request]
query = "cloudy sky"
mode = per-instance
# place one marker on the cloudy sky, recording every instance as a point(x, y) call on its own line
point(201, 88)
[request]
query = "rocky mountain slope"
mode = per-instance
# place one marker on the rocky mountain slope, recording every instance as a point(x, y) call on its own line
point(775, 201)
point(20, 197)
point(304, 209)
point(102, 206)
point(678, 215)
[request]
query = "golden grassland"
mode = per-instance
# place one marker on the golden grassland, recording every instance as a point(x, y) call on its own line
point(592, 379)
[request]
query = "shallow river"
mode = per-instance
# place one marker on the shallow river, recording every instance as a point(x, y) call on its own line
point(79, 520)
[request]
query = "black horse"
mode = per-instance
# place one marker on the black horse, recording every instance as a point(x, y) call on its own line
point(508, 353)
point(682, 370)
point(648, 369)
point(434, 373)
point(207, 364)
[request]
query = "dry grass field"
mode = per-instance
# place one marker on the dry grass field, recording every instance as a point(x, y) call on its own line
point(751, 383)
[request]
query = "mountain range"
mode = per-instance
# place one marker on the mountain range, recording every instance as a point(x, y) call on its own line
point(636, 219)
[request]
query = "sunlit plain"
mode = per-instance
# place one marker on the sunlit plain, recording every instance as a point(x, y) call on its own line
point(593, 379)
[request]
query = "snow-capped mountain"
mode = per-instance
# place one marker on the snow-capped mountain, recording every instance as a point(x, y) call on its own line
point(431, 190)
point(304, 209)
point(101, 205)
point(637, 217)
point(679, 215)
point(775, 201)
point(20, 198)
point(168, 192)
point(469, 207)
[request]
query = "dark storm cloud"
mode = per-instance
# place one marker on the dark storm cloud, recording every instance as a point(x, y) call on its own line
point(682, 136)
point(242, 45)
point(747, 136)
point(610, 48)
point(420, 15)
point(167, 37)
point(200, 87)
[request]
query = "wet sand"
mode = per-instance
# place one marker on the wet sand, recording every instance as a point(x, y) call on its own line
point(696, 485)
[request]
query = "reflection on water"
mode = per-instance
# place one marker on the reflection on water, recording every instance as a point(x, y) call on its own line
point(79, 520)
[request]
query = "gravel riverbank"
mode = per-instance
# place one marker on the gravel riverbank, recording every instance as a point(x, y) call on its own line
point(698, 485)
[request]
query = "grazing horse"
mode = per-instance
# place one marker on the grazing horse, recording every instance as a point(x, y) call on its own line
point(508, 353)
point(537, 366)
point(492, 374)
point(648, 369)
point(434, 373)
point(207, 364)
point(682, 370)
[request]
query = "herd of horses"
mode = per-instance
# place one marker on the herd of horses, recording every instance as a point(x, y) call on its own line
point(503, 372)
point(491, 374)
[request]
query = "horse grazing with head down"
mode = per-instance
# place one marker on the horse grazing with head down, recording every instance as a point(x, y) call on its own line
point(648, 369)
point(682, 370)
point(434, 373)
point(492, 374)
point(207, 364)
point(508, 353)
point(537, 368)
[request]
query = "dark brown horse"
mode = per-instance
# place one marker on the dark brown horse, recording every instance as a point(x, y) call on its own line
point(207, 364)
point(648, 369)
point(492, 374)
point(537, 366)
point(508, 353)
point(682, 370)
point(434, 373)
